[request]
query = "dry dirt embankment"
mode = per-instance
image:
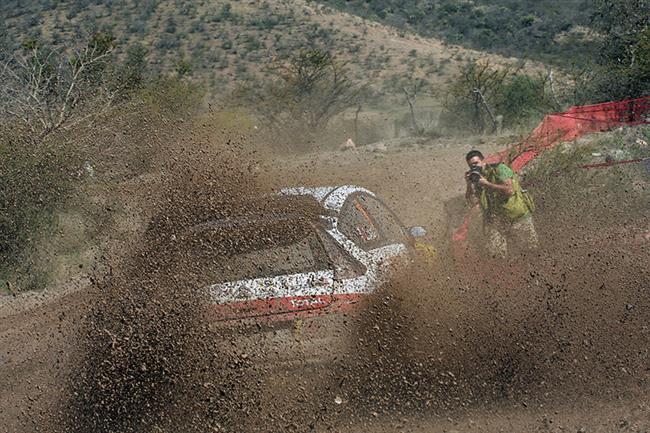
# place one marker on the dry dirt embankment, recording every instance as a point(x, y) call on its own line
point(225, 42)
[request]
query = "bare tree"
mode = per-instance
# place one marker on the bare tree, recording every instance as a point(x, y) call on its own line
point(47, 88)
point(481, 98)
point(411, 97)
point(318, 87)
point(310, 89)
point(551, 82)
point(477, 84)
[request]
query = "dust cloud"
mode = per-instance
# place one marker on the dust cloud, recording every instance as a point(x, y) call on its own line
point(467, 337)
point(567, 322)
point(438, 339)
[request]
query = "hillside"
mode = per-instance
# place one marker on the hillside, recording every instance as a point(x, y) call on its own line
point(549, 30)
point(225, 42)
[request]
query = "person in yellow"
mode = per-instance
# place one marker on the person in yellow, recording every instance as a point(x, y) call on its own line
point(507, 209)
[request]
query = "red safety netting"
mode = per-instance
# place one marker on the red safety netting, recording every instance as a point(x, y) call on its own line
point(561, 127)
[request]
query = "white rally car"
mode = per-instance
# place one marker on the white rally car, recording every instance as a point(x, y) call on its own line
point(282, 265)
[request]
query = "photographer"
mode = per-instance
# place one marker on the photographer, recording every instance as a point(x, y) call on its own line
point(507, 209)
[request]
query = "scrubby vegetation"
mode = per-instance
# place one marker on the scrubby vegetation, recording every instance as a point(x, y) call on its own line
point(613, 198)
point(540, 30)
point(219, 42)
point(71, 130)
point(604, 45)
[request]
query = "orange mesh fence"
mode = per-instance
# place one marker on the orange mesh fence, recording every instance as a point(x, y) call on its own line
point(573, 123)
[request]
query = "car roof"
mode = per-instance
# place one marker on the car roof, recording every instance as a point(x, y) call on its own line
point(290, 205)
point(263, 209)
point(254, 229)
point(330, 197)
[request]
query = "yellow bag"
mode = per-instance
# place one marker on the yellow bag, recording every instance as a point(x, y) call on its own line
point(520, 202)
point(528, 199)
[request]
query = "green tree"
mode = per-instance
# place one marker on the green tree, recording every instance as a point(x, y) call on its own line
point(225, 13)
point(523, 99)
point(183, 67)
point(124, 79)
point(623, 67)
point(133, 70)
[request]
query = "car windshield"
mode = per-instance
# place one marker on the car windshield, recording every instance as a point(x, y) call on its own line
point(370, 224)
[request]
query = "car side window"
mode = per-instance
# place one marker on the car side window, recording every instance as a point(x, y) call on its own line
point(356, 224)
point(300, 256)
point(391, 229)
point(369, 224)
point(345, 266)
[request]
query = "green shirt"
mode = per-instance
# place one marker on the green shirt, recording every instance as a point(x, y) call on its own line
point(497, 204)
point(502, 173)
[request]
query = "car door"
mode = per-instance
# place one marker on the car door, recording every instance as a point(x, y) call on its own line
point(350, 275)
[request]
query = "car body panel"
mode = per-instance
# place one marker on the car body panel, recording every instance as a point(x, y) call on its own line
point(306, 294)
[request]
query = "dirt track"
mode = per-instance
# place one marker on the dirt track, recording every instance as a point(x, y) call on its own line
point(37, 343)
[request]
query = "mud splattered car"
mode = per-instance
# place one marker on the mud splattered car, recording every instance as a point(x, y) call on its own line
point(314, 251)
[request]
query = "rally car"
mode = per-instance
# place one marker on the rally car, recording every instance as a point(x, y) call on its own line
point(301, 253)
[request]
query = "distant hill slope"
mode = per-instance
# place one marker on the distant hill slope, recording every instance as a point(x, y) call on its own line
point(549, 30)
point(224, 42)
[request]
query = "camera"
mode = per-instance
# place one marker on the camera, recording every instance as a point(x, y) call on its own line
point(474, 174)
